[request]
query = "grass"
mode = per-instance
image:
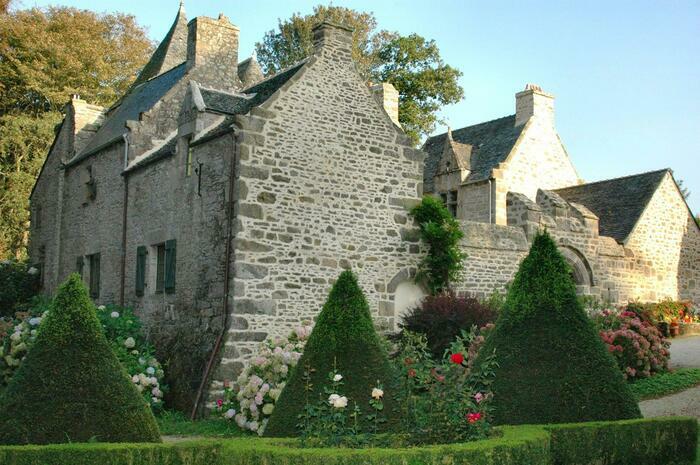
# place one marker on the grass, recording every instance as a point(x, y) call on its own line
point(177, 424)
point(664, 384)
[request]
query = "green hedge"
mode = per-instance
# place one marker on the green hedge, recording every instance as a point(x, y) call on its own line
point(629, 442)
point(639, 442)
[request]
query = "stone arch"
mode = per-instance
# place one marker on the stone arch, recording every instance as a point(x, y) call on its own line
point(580, 269)
point(407, 293)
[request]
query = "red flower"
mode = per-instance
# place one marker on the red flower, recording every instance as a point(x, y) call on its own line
point(408, 361)
point(473, 417)
point(411, 373)
point(220, 402)
point(457, 358)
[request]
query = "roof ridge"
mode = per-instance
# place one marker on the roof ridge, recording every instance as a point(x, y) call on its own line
point(472, 126)
point(615, 179)
point(284, 70)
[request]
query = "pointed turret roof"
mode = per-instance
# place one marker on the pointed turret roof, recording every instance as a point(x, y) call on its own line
point(458, 151)
point(250, 72)
point(172, 50)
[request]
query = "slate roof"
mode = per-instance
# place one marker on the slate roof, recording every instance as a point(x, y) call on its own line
point(166, 150)
point(491, 143)
point(140, 99)
point(168, 52)
point(618, 203)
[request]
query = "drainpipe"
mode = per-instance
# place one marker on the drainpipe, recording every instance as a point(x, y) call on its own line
point(122, 284)
point(224, 305)
point(490, 201)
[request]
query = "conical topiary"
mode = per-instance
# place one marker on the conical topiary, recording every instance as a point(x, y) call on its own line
point(344, 338)
point(552, 365)
point(71, 387)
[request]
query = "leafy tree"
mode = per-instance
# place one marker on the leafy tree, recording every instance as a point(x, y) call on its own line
point(441, 232)
point(71, 387)
point(46, 55)
point(552, 366)
point(344, 338)
point(412, 64)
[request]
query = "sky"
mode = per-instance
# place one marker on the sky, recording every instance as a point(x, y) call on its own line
point(626, 74)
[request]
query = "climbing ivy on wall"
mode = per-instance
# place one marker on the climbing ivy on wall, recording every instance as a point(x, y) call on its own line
point(441, 233)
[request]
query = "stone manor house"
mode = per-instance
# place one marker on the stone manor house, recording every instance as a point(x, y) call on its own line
point(221, 204)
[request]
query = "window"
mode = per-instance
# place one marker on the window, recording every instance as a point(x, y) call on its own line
point(141, 253)
point(90, 185)
point(165, 267)
point(160, 268)
point(188, 161)
point(94, 275)
point(452, 203)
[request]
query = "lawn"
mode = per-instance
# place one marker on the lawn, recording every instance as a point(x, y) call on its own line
point(664, 384)
point(177, 424)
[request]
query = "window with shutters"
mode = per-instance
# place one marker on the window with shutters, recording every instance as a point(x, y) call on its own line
point(141, 254)
point(94, 275)
point(160, 268)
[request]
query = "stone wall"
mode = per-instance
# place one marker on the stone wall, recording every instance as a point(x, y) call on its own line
point(474, 202)
point(325, 181)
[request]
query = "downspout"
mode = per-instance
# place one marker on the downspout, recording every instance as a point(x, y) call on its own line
point(122, 284)
point(490, 201)
point(224, 304)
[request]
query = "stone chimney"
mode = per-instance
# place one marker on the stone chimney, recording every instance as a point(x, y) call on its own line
point(333, 38)
point(212, 52)
point(85, 119)
point(388, 96)
point(534, 102)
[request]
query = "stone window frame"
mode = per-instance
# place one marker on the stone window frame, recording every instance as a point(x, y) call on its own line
point(450, 200)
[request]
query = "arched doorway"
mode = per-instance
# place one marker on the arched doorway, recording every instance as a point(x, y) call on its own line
point(580, 269)
point(408, 295)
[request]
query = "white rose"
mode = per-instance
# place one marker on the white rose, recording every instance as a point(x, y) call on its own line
point(114, 314)
point(337, 378)
point(230, 413)
point(341, 402)
point(377, 393)
point(101, 307)
point(333, 398)
point(130, 343)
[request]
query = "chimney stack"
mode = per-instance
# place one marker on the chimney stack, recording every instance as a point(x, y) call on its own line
point(388, 96)
point(212, 52)
point(533, 102)
point(85, 119)
point(335, 37)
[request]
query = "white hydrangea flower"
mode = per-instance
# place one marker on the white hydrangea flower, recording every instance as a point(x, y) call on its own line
point(268, 409)
point(230, 413)
point(114, 314)
point(101, 307)
point(150, 370)
point(156, 392)
point(35, 321)
point(377, 393)
point(135, 379)
point(130, 343)
point(337, 377)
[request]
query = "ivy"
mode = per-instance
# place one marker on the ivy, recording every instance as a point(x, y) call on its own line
point(441, 233)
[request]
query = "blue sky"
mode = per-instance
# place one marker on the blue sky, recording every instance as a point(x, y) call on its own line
point(626, 74)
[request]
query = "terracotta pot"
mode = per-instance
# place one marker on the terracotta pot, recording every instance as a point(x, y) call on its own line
point(675, 330)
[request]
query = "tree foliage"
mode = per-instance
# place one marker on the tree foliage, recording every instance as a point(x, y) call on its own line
point(552, 365)
point(441, 233)
point(47, 55)
point(412, 64)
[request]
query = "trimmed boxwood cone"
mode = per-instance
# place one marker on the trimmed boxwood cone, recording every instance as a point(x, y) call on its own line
point(71, 387)
point(344, 336)
point(552, 365)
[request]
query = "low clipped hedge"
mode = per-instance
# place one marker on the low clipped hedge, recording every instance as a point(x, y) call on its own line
point(639, 442)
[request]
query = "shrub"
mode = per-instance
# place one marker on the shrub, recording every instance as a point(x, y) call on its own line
point(441, 233)
point(251, 400)
point(552, 365)
point(18, 284)
point(71, 387)
point(441, 318)
point(638, 347)
point(122, 329)
point(343, 338)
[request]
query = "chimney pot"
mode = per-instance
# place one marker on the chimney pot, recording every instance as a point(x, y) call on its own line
point(387, 95)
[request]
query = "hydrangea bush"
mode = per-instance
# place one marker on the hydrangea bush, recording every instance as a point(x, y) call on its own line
point(637, 345)
point(122, 329)
point(251, 399)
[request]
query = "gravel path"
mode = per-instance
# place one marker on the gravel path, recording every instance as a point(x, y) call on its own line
point(685, 353)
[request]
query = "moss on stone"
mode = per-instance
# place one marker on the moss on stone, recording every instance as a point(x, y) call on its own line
point(552, 365)
point(71, 387)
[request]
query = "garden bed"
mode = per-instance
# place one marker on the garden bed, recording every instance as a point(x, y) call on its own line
point(638, 442)
point(689, 329)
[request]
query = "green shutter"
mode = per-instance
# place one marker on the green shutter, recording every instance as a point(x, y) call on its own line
point(79, 263)
point(140, 270)
point(170, 258)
